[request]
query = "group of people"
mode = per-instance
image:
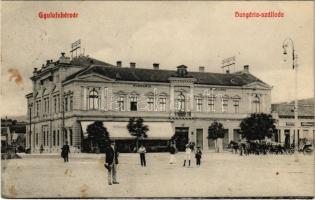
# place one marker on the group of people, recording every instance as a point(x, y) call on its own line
point(263, 148)
point(111, 157)
point(190, 148)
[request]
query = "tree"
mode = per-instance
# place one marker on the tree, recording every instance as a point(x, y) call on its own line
point(98, 135)
point(215, 132)
point(138, 129)
point(258, 126)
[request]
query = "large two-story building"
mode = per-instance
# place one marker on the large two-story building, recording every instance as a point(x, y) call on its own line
point(69, 94)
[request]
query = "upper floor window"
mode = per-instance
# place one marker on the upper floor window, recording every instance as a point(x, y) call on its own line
point(93, 99)
point(199, 104)
point(133, 103)
point(71, 103)
point(256, 104)
point(38, 107)
point(181, 102)
point(225, 104)
point(55, 104)
point(150, 103)
point(236, 104)
point(162, 104)
point(121, 103)
point(66, 104)
point(211, 104)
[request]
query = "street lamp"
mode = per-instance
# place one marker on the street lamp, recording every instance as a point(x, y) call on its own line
point(285, 46)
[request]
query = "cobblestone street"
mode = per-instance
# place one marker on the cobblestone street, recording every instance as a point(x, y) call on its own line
point(222, 174)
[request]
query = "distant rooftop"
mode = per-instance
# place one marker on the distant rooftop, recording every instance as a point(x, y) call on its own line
point(286, 109)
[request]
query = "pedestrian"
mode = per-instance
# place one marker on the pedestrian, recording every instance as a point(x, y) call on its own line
point(41, 149)
point(172, 153)
point(187, 155)
point(111, 162)
point(198, 154)
point(65, 152)
point(142, 152)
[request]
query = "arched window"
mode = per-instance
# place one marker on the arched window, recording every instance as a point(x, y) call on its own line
point(181, 102)
point(93, 99)
point(256, 104)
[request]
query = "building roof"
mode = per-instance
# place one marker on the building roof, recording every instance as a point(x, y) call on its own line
point(287, 109)
point(153, 75)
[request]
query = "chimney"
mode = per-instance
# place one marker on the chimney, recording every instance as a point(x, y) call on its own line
point(227, 71)
point(246, 69)
point(156, 66)
point(201, 69)
point(132, 65)
point(47, 62)
point(34, 71)
point(63, 59)
point(118, 63)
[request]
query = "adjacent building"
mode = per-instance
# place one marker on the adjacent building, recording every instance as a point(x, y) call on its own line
point(284, 113)
point(69, 94)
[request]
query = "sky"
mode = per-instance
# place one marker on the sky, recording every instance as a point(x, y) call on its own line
point(192, 33)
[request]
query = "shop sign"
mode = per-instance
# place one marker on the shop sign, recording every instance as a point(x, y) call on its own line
point(307, 123)
point(289, 123)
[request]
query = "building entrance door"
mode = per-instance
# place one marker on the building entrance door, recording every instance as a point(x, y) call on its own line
point(225, 141)
point(199, 138)
point(181, 137)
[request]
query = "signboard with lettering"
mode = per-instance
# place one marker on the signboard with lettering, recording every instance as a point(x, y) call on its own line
point(289, 123)
point(307, 123)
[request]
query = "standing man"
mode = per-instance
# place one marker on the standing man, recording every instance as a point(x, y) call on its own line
point(142, 152)
point(111, 162)
point(198, 156)
point(65, 152)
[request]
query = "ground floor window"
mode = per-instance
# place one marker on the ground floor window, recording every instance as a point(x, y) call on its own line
point(70, 137)
point(54, 138)
point(36, 139)
point(58, 138)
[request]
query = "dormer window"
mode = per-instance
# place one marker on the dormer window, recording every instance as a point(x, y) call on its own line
point(182, 71)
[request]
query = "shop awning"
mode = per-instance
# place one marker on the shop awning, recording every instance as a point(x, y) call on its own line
point(118, 130)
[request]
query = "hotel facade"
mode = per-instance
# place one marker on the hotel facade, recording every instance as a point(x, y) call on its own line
point(69, 94)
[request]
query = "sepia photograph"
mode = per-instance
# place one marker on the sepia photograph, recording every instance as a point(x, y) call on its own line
point(157, 99)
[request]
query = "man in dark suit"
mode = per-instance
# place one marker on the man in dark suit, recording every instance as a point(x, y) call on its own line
point(111, 162)
point(65, 152)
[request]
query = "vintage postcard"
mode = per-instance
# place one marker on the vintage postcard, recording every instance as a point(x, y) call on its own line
point(157, 99)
